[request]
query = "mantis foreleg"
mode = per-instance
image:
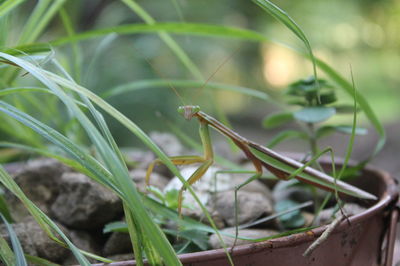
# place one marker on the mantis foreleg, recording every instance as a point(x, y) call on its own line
point(206, 161)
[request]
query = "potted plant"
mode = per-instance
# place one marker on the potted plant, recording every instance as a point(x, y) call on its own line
point(86, 145)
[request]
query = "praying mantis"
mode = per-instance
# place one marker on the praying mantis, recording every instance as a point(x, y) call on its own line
point(280, 166)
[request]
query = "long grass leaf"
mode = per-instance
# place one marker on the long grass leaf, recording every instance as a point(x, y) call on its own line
point(39, 261)
point(220, 31)
point(177, 28)
point(45, 223)
point(284, 18)
point(139, 133)
point(116, 167)
point(4, 210)
point(184, 84)
point(8, 6)
point(16, 245)
point(168, 40)
point(77, 55)
point(361, 101)
point(39, 19)
point(6, 254)
point(27, 49)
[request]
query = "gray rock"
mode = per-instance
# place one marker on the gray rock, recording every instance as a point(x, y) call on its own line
point(45, 247)
point(251, 206)
point(24, 237)
point(139, 159)
point(198, 214)
point(169, 143)
point(156, 180)
point(290, 190)
point(84, 241)
point(39, 180)
point(122, 257)
point(84, 204)
point(117, 243)
point(249, 233)
point(349, 209)
point(255, 186)
point(35, 241)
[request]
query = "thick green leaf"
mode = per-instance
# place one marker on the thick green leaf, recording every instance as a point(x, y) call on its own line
point(290, 220)
point(344, 108)
point(329, 129)
point(276, 120)
point(314, 114)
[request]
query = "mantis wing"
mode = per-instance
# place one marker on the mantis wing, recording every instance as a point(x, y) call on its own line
point(285, 168)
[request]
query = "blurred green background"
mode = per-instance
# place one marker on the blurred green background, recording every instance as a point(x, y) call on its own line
point(362, 34)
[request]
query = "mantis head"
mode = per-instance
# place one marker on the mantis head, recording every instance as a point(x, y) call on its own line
point(188, 111)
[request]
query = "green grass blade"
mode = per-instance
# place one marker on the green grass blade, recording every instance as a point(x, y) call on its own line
point(139, 133)
point(352, 136)
point(33, 48)
point(177, 28)
point(168, 40)
point(8, 6)
point(4, 210)
point(53, 136)
point(16, 245)
point(5, 30)
point(113, 164)
point(284, 18)
point(220, 31)
point(77, 55)
point(39, 19)
point(39, 261)
point(45, 223)
point(99, 52)
point(134, 234)
point(184, 84)
point(33, 20)
point(361, 101)
point(8, 91)
point(46, 153)
point(178, 10)
point(6, 254)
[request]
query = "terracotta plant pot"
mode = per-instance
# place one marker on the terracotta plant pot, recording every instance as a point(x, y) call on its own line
point(367, 240)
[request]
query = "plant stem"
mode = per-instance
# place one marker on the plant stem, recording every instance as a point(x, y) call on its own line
point(312, 139)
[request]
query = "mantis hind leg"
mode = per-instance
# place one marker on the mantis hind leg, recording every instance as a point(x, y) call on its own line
point(249, 180)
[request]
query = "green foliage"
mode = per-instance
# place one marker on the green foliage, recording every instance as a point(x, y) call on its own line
point(276, 120)
point(290, 220)
point(318, 103)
